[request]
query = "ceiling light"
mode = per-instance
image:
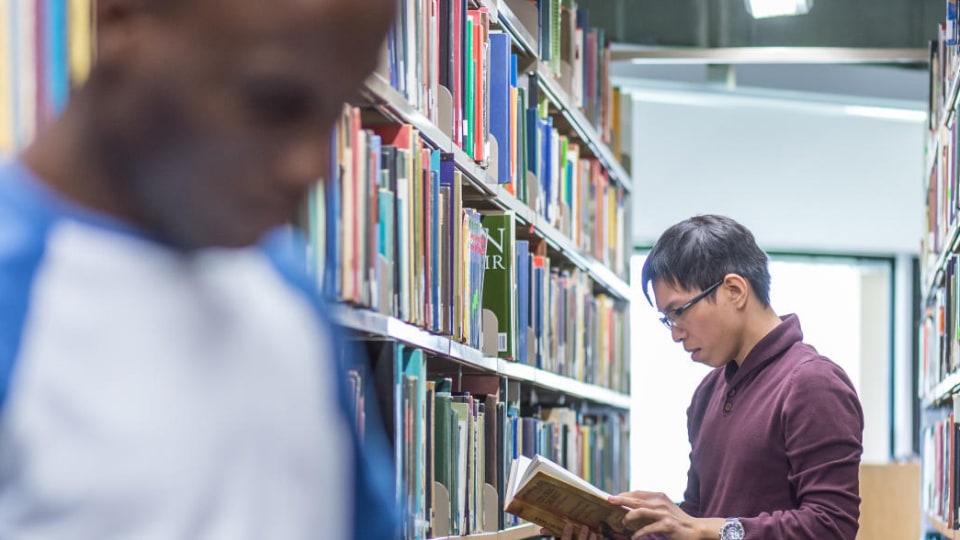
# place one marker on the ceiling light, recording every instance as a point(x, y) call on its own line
point(761, 9)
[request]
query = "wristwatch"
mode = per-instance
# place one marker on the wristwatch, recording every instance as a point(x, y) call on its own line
point(731, 530)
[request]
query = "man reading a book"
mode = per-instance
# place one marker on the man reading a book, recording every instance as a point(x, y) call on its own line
point(166, 371)
point(776, 428)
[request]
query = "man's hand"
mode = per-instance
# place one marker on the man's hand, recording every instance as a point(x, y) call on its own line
point(568, 531)
point(656, 514)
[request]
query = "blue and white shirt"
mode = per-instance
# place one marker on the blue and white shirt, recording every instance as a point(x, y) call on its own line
point(148, 394)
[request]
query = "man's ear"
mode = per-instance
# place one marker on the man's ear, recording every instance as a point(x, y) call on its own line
point(736, 290)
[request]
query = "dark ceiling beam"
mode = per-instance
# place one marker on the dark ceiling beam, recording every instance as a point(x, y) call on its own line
point(905, 24)
point(768, 55)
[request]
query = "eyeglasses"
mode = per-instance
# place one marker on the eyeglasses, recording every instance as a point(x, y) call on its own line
point(669, 318)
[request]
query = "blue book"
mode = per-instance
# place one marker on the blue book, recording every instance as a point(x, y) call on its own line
point(435, 238)
point(500, 66)
point(453, 250)
point(58, 70)
point(523, 298)
point(332, 225)
point(533, 153)
point(546, 168)
point(414, 371)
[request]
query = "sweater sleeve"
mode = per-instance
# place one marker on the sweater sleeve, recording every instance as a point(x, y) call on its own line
point(691, 503)
point(823, 429)
point(691, 495)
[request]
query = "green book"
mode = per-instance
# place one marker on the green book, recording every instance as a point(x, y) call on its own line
point(500, 278)
point(445, 450)
point(522, 146)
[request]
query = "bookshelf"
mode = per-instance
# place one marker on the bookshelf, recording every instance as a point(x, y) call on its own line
point(533, 388)
point(570, 396)
point(378, 93)
point(939, 324)
point(375, 324)
point(520, 532)
point(941, 527)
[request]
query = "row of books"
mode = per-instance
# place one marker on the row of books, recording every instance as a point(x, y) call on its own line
point(943, 195)
point(940, 474)
point(563, 327)
point(450, 61)
point(939, 334)
point(506, 125)
point(389, 231)
point(46, 47)
point(943, 65)
point(578, 57)
point(939, 326)
point(569, 189)
point(454, 442)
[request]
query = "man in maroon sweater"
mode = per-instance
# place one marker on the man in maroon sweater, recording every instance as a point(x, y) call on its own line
point(776, 429)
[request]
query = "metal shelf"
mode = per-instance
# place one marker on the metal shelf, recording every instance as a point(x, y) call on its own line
point(371, 322)
point(545, 80)
point(951, 244)
point(600, 274)
point(565, 385)
point(951, 101)
point(520, 532)
point(942, 528)
point(582, 126)
point(943, 391)
point(521, 36)
point(393, 104)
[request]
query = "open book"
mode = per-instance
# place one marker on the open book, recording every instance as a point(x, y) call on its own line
point(545, 493)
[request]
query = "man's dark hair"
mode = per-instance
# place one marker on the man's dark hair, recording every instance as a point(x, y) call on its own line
point(700, 251)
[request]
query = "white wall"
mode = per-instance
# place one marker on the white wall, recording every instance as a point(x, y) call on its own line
point(813, 179)
point(804, 177)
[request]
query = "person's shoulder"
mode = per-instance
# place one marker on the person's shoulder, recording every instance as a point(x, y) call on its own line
point(24, 222)
point(287, 252)
point(810, 368)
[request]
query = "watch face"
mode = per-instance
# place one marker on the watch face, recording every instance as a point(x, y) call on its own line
point(732, 530)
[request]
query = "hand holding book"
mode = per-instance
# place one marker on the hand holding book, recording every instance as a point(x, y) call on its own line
point(542, 492)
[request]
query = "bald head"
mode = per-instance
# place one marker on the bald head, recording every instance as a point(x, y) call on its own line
point(212, 118)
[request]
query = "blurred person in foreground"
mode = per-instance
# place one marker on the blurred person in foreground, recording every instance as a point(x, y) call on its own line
point(775, 429)
point(165, 370)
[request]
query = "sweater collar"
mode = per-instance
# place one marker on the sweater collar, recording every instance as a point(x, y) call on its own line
point(768, 349)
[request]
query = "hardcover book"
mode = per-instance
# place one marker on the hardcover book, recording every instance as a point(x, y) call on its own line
point(542, 492)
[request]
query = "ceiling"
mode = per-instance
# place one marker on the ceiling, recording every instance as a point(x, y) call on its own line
point(726, 23)
point(718, 27)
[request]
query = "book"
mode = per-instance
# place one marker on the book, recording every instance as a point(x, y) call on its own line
point(542, 492)
point(501, 276)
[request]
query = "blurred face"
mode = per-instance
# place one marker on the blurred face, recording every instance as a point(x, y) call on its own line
point(214, 118)
point(705, 329)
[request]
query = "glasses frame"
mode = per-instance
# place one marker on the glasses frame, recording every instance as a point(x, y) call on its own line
point(669, 318)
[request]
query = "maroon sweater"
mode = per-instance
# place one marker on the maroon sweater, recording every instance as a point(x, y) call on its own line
point(777, 443)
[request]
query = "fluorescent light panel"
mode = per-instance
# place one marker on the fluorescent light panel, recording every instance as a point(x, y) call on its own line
point(761, 9)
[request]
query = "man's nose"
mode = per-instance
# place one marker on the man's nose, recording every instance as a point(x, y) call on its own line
point(677, 333)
